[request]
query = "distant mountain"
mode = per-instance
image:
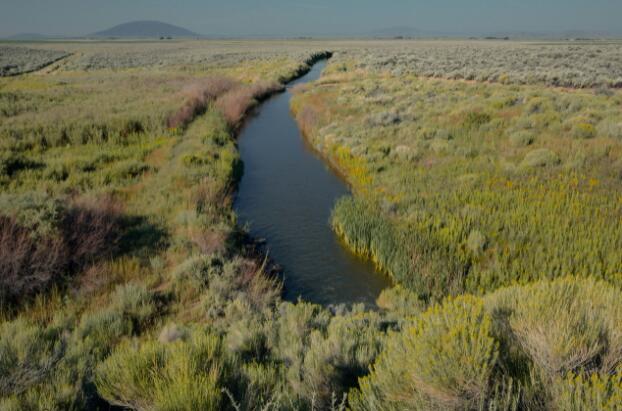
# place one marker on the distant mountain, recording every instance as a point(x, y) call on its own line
point(557, 35)
point(400, 31)
point(412, 32)
point(28, 36)
point(409, 32)
point(145, 29)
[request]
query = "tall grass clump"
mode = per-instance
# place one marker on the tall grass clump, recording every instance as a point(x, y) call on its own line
point(411, 258)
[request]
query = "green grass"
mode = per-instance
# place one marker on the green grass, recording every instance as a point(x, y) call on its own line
point(484, 184)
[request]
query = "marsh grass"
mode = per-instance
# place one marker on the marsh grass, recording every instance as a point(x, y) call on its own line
point(540, 200)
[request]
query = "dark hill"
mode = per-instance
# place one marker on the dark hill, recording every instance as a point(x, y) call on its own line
point(144, 29)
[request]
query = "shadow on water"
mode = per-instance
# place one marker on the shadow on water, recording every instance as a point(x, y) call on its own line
point(286, 196)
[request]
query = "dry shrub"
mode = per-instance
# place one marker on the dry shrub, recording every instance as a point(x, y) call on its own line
point(27, 264)
point(198, 96)
point(93, 279)
point(211, 241)
point(238, 101)
point(308, 119)
point(30, 262)
point(212, 194)
point(91, 230)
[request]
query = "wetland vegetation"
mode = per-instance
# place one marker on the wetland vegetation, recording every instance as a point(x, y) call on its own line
point(489, 194)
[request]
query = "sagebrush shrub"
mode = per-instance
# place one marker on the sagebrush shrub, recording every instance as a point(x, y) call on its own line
point(28, 264)
point(542, 157)
point(446, 360)
point(566, 325)
point(182, 375)
point(28, 355)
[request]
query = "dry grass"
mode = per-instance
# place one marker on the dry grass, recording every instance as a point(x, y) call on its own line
point(198, 96)
point(236, 103)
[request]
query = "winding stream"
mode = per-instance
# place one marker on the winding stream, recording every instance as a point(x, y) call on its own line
point(286, 195)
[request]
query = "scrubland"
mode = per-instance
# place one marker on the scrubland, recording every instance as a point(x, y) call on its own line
point(561, 64)
point(466, 184)
point(19, 60)
point(126, 280)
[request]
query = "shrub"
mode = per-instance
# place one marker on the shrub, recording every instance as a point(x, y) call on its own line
point(235, 103)
point(11, 163)
point(521, 139)
point(400, 301)
point(28, 355)
point(565, 325)
point(131, 309)
point(324, 354)
point(91, 230)
point(541, 157)
point(384, 119)
point(198, 271)
point(475, 119)
point(584, 130)
point(133, 301)
point(27, 264)
point(476, 242)
point(56, 242)
point(38, 212)
point(198, 96)
point(183, 375)
point(446, 360)
point(588, 392)
point(125, 170)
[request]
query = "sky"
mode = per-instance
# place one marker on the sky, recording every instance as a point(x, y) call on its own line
point(286, 18)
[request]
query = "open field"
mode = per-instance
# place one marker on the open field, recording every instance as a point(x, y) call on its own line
point(561, 64)
point(18, 60)
point(494, 202)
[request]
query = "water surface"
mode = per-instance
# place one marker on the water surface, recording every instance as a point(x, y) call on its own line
point(286, 195)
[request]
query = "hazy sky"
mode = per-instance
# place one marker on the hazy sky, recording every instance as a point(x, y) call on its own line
point(312, 17)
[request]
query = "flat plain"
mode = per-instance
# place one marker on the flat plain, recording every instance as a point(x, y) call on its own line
point(485, 180)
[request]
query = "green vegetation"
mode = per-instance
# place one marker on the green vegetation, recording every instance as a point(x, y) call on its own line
point(484, 185)
point(126, 280)
point(549, 345)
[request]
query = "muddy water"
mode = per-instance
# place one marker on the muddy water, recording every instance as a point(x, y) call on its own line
point(286, 195)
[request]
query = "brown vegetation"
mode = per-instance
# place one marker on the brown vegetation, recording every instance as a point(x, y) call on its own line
point(27, 264)
point(198, 96)
point(88, 231)
point(238, 101)
point(91, 230)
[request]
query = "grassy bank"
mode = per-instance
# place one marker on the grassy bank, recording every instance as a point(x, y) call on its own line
point(484, 185)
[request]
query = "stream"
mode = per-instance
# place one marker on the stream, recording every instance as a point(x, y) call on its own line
point(286, 196)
